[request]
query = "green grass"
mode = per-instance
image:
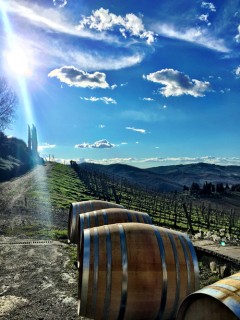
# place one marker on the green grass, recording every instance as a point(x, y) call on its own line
point(62, 187)
point(72, 252)
point(38, 231)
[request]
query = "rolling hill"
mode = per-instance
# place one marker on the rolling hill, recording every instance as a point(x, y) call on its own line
point(138, 176)
point(199, 173)
point(171, 178)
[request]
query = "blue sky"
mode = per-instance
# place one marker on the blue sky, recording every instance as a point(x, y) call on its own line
point(137, 82)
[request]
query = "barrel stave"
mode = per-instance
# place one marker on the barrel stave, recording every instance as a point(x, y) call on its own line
point(144, 274)
point(116, 288)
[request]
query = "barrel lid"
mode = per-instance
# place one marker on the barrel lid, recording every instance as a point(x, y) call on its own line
point(227, 297)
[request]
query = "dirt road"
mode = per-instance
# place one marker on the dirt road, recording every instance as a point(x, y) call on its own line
point(37, 279)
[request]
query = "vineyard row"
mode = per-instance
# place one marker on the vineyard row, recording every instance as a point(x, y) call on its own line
point(172, 210)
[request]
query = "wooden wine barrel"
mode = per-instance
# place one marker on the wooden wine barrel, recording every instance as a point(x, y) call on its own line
point(135, 271)
point(108, 216)
point(219, 301)
point(81, 207)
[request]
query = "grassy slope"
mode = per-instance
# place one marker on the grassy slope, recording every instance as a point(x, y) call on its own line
point(64, 186)
point(51, 192)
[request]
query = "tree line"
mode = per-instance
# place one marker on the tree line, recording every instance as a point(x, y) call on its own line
point(210, 188)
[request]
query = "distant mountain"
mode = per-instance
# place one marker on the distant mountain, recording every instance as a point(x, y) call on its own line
point(171, 178)
point(199, 173)
point(138, 176)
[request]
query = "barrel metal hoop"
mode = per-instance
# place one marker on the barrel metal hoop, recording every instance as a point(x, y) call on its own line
point(109, 273)
point(150, 220)
point(137, 217)
point(124, 256)
point(81, 226)
point(233, 305)
point(80, 237)
point(235, 277)
point(78, 208)
point(105, 217)
point(195, 262)
point(96, 219)
point(95, 270)
point(227, 287)
point(164, 272)
point(92, 206)
point(74, 222)
point(85, 272)
point(88, 219)
point(183, 243)
point(176, 258)
point(144, 216)
point(129, 216)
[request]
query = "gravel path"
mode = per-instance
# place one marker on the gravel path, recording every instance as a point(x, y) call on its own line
point(37, 280)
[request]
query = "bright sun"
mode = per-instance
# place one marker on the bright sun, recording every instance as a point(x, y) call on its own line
point(18, 62)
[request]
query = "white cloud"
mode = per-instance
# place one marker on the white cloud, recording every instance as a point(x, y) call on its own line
point(52, 20)
point(142, 115)
point(204, 18)
point(208, 5)
point(155, 161)
point(46, 146)
point(237, 37)
point(83, 145)
point(197, 36)
point(124, 143)
point(225, 90)
point(46, 52)
point(95, 61)
point(177, 83)
point(114, 86)
point(136, 130)
point(103, 20)
point(105, 100)
point(237, 71)
point(101, 126)
point(148, 99)
point(109, 161)
point(49, 50)
point(100, 144)
point(60, 3)
point(78, 78)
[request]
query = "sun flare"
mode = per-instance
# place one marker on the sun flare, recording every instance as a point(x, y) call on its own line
point(18, 62)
